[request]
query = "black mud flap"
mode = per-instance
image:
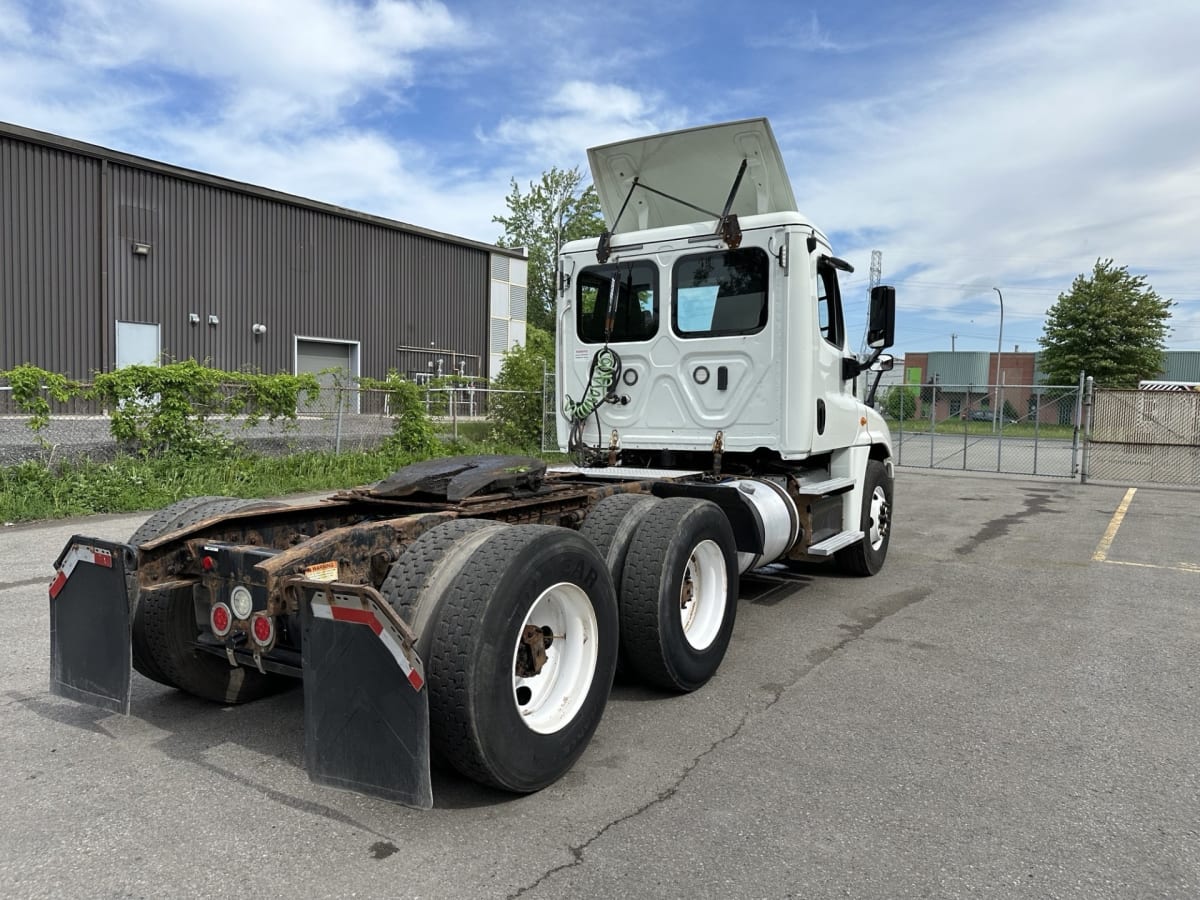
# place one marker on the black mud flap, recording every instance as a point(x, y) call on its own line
point(366, 708)
point(90, 656)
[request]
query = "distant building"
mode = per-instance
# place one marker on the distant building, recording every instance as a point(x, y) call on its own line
point(108, 259)
point(959, 383)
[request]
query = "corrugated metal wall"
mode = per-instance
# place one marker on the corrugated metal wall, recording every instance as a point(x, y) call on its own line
point(50, 279)
point(214, 251)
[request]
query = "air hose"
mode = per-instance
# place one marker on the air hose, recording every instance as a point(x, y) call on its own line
point(603, 374)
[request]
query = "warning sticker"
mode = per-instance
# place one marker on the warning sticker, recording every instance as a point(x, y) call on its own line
point(326, 571)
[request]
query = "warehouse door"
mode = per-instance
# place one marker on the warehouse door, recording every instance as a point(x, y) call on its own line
point(335, 363)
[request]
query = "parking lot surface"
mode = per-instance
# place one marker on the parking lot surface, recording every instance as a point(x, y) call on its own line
point(1011, 708)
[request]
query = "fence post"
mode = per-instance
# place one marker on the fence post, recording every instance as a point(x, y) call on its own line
point(1037, 421)
point(998, 421)
point(932, 420)
point(965, 425)
point(1083, 421)
point(337, 432)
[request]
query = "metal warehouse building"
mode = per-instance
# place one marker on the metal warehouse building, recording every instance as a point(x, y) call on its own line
point(108, 259)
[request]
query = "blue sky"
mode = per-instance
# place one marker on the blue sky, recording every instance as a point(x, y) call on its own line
point(1007, 144)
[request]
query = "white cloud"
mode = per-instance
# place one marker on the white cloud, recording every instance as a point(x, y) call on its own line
point(1020, 157)
point(582, 114)
point(1010, 146)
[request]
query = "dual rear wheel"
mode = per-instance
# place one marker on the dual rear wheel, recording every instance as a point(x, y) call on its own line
point(518, 626)
point(675, 564)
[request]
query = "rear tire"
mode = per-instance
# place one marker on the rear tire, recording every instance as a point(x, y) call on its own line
point(867, 556)
point(417, 582)
point(492, 717)
point(162, 522)
point(611, 526)
point(679, 594)
point(165, 628)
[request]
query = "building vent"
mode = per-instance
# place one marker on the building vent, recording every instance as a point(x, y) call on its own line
point(499, 267)
point(518, 302)
point(499, 342)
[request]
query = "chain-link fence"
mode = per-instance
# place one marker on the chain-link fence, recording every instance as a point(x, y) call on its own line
point(339, 419)
point(1017, 429)
point(549, 414)
point(1145, 436)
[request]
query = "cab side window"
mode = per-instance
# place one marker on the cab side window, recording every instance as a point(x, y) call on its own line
point(829, 305)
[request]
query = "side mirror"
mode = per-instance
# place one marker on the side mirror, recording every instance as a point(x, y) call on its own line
point(884, 363)
point(881, 326)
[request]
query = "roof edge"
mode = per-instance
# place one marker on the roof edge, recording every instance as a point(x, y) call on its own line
point(71, 145)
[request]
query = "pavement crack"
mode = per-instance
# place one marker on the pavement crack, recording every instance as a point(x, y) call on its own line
point(26, 582)
point(888, 607)
point(578, 850)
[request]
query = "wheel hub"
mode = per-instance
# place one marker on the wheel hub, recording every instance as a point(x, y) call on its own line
point(531, 653)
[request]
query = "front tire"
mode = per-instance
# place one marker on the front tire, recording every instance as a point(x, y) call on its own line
point(522, 658)
point(866, 557)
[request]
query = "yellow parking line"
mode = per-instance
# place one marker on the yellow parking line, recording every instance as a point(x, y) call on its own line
point(1110, 535)
point(1182, 567)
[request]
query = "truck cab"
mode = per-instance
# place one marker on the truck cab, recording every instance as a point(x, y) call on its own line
point(679, 336)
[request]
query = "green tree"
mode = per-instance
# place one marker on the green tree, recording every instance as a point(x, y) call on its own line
point(899, 402)
point(1111, 325)
point(555, 210)
point(517, 418)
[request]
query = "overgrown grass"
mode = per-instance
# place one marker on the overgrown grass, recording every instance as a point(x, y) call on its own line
point(31, 490)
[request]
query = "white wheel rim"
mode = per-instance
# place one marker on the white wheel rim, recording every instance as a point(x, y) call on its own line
point(549, 700)
point(879, 517)
point(703, 595)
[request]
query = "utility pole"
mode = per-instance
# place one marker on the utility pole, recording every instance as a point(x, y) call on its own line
point(953, 338)
point(875, 278)
point(996, 412)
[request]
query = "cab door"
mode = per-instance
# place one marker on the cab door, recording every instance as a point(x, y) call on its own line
point(836, 411)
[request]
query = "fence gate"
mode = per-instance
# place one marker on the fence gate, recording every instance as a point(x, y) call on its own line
point(1011, 428)
point(1144, 436)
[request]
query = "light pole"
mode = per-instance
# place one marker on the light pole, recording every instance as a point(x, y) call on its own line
point(996, 412)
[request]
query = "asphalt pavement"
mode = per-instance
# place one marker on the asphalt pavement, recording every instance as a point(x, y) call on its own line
point(1009, 709)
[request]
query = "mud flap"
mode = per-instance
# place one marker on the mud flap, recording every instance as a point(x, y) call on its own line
point(90, 656)
point(366, 708)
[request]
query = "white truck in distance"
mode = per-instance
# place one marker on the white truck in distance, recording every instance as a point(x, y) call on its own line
point(479, 607)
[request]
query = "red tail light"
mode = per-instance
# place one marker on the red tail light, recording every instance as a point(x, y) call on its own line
point(263, 629)
point(220, 619)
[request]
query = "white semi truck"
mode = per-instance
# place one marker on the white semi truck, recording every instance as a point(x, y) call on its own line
point(479, 607)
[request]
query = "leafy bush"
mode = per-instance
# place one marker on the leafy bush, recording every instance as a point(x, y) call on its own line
point(28, 383)
point(517, 417)
point(412, 432)
point(899, 402)
point(156, 409)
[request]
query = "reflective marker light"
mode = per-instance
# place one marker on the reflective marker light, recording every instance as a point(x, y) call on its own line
point(241, 601)
point(263, 629)
point(220, 619)
point(207, 563)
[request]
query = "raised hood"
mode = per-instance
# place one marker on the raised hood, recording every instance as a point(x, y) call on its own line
point(697, 165)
